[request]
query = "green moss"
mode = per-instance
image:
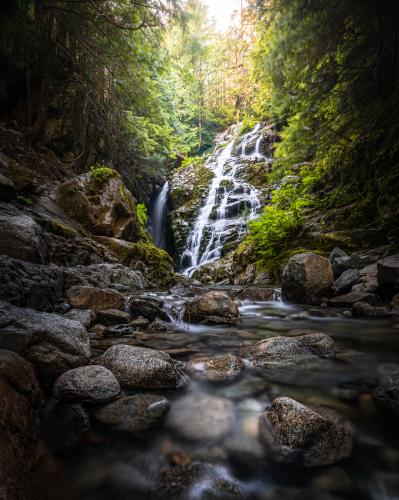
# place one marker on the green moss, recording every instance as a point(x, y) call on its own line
point(159, 263)
point(102, 173)
point(57, 227)
point(25, 200)
point(142, 214)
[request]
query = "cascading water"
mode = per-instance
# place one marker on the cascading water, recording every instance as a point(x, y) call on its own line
point(159, 217)
point(231, 203)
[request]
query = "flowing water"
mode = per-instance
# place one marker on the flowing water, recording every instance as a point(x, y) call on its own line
point(159, 217)
point(217, 424)
point(230, 204)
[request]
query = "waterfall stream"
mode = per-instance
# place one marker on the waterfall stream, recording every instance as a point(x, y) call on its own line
point(230, 204)
point(159, 217)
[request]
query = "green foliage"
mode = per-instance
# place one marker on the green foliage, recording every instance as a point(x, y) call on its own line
point(102, 173)
point(24, 200)
point(142, 214)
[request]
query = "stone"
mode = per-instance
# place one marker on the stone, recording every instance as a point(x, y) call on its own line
point(212, 308)
point(30, 285)
point(198, 416)
point(255, 294)
point(140, 323)
point(395, 303)
point(362, 309)
point(21, 238)
point(368, 280)
point(158, 326)
point(273, 351)
point(342, 264)
point(351, 298)
point(307, 278)
point(84, 316)
point(19, 426)
point(388, 274)
point(218, 369)
point(7, 189)
point(50, 342)
point(147, 308)
point(295, 434)
point(87, 384)
point(346, 281)
point(386, 395)
point(337, 253)
point(132, 414)
point(118, 331)
point(142, 368)
point(111, 317)
point(96, 299)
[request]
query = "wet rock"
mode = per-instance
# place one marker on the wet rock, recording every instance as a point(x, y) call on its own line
point(140, 323)
point(97, 331)
point(388, 274)
point(212, 308)
point(63, 425)
point(7, 189)
point(205, 480)
point(307, 278)
point(50, 342)
point(368, 280)
point(19, 426)
point(342, 264)
point(148, 308)
point(141, 368)
point(96, 299)
point(133, 414)
point(337, 253)
point(87, 384)
point(386, 395)
point(111, 317)
point(158, 326)
point(351, 298)
point(219, 369)
point(363, 309)
point(84, 316)
point(199, 416)
point(295, 434)
point(118, 331)
point(30, 285)
point(292, 349)
point(345, 282)
point(21, 237)
point(255, 294)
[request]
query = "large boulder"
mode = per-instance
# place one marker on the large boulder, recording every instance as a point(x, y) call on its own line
point(30, 285)
point(142, 368)
point(100, 201)
point(19, 426)
point(87, 384)
point(50, 342)
point(295, 434)
point(307, 278)
point(96, 299)
point(388, 274)
point(133, 414)
point(111, 317)
point(148, 307)
point(212, 308)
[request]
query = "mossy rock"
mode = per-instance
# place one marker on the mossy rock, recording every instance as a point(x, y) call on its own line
point(18, 174)
point(59, 228)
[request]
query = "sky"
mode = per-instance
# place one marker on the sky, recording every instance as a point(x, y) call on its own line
point(221, 11)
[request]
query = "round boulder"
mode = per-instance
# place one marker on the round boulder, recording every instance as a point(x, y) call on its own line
point(219, 369)
point(212, 308)
point(307, 278)
point(87, 384)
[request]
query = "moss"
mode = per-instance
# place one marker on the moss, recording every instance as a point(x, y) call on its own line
point(159, 263)
point(57, 227)
point(25, 200)
point(102, 173)
point(19, 175)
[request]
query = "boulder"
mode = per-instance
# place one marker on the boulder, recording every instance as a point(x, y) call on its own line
point(212, 308)
point(351, 298)
point(30, 285)
point(388, 274)
point(362, 309)
point(84, 316)
point(346, 281)
point(342, 264)
point(255, 294)
point(142, 368)
point(87, 384)
point(7, 189)
point(149, 308)
point(307, 278)
point(133, 414)
point(295, 434)
point(158, 326)
point(118, 331)
point(21, 238)
point(219, 369)
point(386, 395)
point(140, 323)
point(96, 299)
point(52, 343)
point(198, 416)
point(19, 426)
point(111, 317)
point(337, 253)
point(368, 280)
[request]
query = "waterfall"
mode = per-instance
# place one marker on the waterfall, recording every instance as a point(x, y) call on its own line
point(159, 217)
point(230, 204)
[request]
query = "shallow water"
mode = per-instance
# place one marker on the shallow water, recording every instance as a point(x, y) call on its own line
point(218, 423)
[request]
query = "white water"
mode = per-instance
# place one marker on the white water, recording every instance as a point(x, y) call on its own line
point(231, 203)
point(159, 217)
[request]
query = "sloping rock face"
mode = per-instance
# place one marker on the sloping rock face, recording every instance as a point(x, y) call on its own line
point(50, 342)
point(212, 308)
point(101, 202)
point(307, 278)
point(19, 427)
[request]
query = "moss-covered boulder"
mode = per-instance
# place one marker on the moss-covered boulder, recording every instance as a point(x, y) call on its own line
point(100, 201)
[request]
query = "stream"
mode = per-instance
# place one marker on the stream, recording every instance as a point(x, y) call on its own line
point(217, 423)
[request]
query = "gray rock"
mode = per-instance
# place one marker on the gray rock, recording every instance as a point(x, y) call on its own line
point(30, 285)
point(337, 253)
point(50, 342)
point(346, 281)
point(84, 316)
point(218, 369)
point(295, 434)
point(388, 274)
point(351, 298)
point(158, 326)
point(87, 384)
point(148, 308)
point(342, 264)
point(363, 309)
point(111, 317)
point(212, 308)
point(307, 278)
point(133, 414)
point(140, 323)
point(386, 395)
point(141, 368)
point(118, 331)
point(96, 299)
point(198, 416)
